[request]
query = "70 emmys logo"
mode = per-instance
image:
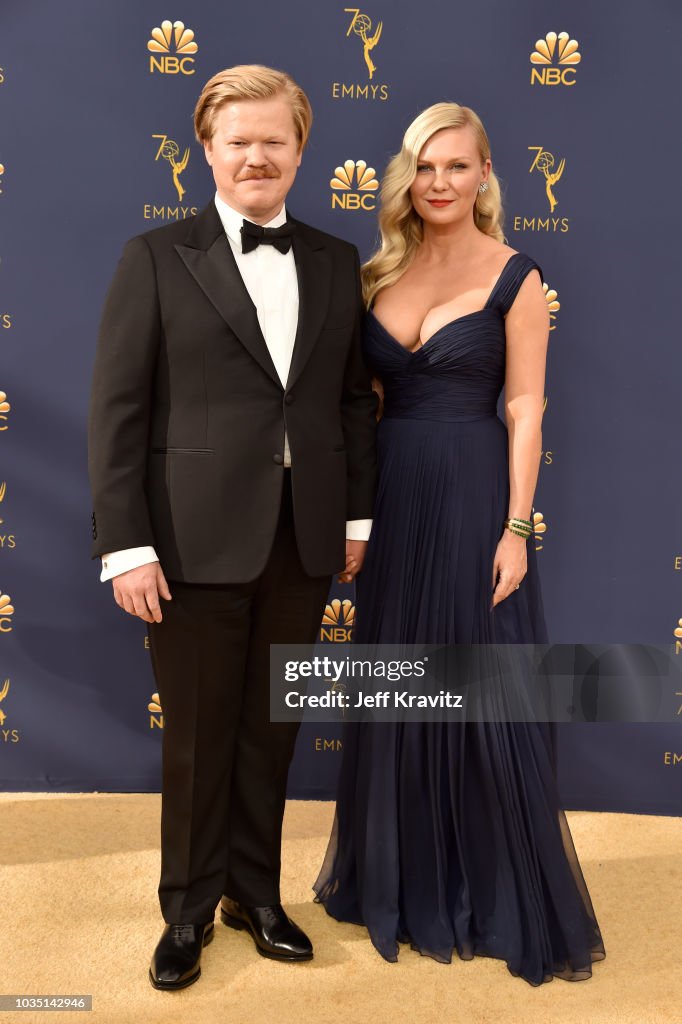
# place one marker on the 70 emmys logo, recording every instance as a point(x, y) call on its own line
point(172, 36)
point(369, 35)
point(554, 48)
point(8, 735)
point(6, 540)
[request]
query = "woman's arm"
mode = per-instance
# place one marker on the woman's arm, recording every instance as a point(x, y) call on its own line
point(527, 331)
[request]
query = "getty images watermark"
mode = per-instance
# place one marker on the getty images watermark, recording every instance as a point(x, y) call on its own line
point(476, 683)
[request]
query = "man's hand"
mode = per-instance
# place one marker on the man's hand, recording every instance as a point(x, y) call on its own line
point(137, 591)
point(355, 556)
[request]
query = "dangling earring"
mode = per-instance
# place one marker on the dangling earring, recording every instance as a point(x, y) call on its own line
point(483, 187)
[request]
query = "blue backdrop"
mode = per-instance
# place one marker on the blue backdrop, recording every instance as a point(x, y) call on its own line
point(95, 131)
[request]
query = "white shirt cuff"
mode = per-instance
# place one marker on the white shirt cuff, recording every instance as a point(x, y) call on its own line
point(122, 561)
point(358, 529)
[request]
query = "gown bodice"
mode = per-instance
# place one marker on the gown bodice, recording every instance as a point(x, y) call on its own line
point(458, 374)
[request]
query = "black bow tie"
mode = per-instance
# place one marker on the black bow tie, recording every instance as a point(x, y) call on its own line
point(254, 235)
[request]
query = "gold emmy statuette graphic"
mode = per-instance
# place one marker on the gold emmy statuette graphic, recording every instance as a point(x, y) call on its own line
point(539, 529)
point(553, 305)
point(544, 161)
point(4, 409)
point(555, 59)
point(353, 178)
point(3, 693)
point(336, 687)
point(169, 150)
point(361, 25)
point(172, 35)
point(3, 492)
point(6, 613)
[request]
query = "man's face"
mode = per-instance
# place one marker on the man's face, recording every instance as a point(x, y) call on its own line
point(254, 154)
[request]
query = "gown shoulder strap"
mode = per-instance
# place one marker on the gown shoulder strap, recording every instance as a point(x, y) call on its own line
point(510, 280)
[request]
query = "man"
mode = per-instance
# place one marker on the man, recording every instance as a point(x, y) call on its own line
point(232, 441)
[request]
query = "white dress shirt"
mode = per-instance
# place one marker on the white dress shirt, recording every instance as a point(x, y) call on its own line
point(271, 281)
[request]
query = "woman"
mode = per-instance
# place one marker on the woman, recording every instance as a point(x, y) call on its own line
point(449, 836)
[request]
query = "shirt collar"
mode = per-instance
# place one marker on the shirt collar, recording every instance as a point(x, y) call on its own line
point(232, 220)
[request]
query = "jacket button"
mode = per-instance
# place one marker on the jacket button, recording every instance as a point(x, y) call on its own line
point(279, 459)
point(288, 399)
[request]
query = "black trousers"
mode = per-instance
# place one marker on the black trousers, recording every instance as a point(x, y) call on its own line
point(225, 764)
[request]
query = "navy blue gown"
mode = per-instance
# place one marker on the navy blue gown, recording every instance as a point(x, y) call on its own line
point(450, 836)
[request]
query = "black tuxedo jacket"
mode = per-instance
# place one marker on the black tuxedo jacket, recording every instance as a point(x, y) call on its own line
point(187, 414)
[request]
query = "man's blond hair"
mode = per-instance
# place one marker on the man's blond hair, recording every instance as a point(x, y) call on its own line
point(250, 82)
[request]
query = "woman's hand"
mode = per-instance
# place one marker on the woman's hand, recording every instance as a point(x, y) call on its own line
point(510, 565)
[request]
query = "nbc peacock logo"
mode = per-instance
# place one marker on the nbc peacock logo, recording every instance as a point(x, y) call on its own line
point(354, 186)
point(338, 621)
point(4, 410)
point(553, 304)
point(677, 633)
point(155, 712)
point(554, 60)
point(2, 171)
point(170, 47)
point(539, 530)
point(6, 613)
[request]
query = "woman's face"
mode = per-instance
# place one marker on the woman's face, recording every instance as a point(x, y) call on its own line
point(449, 172)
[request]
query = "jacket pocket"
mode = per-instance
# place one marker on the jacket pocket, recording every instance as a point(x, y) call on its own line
point(183, 451)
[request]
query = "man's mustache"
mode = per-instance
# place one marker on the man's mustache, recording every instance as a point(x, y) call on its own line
point(257, 175)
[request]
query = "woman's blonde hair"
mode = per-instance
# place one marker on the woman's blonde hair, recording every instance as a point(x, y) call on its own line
point(400, 226)
point(250, 82)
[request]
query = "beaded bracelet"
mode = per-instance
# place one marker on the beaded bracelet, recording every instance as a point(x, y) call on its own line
point(519, 527)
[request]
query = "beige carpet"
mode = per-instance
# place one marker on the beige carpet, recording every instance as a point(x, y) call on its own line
point(80, 915)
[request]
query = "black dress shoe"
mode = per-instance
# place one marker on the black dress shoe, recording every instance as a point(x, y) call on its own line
point(275, 935)
point(176, 959)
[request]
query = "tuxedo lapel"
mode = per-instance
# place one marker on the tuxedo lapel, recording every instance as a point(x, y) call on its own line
point(209, 259)
point(314, 272)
